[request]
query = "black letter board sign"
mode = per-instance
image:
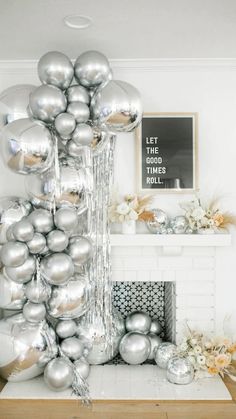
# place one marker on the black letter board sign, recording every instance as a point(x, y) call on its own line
point(167, 152)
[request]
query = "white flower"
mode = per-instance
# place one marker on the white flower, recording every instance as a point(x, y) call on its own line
point(133, 215)
point(123, 208)
point(198, 213)
point(183, 346)
point(197, 349)
point(201, 359)
point(193, 341)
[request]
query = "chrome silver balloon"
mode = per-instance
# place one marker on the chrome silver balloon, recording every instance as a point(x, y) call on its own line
point(155, 342)
point(46, 102)
point(138, 321)
point(82, 367)
point(55, 68)
point(37, 243)
point(65, 124)
point(23, 230)
point(180, 371)
point(12, 295)
point(135, 348)
point(27, 146)
point(155, 327)
point(66, 219)
point(57, 268)
point(83, 135)
point(80, 250)
point(179, 224)
point(77, 93)
point(164, 353)
point(80, 111)
point(92, 69)
point(37, 291)
point(160, 221)
point(59, 374)
point(34, 313)
point(72, 300)
point(12, 209)
point(66, 328)
point(73, 149)
point(118, 105)
point(42, 220)
point(9, 234)
point(72, 347)
point(57, 241)
point(23, 273)
point(14, 254)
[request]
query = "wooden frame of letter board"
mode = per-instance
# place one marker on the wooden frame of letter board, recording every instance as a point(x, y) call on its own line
point(138, 135)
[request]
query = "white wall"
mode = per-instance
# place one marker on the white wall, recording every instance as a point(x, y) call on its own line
point(203, 87)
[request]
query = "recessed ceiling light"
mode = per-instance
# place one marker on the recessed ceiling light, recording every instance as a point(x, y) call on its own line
point(78, 21)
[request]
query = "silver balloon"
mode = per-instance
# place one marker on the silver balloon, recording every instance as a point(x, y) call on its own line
point(37, 291)
point(42, 220)
point(92, 69)
point(82, 367)
point(73, 149)
point(72, 300)
point(189, 230)
point(12, 295)
point(14, 254)
point(78, 94)
point(37, 243)
point(66, 328)
point(83, 135)
point(9, 234)
point(65, 124)
point(138, 321)
point(66, 219)
point(55, 68)
point(72, 347)
point(118, 105)
point(57, 268)
point(25, 348)
point(179, 224)
point(160, 221)
point(57, 241)
point(27, 146)
point(59, 374)
point(23, 230)
point(46, 102)
point(155, 327)
point(34, 313)
point(180, 371)
point(80, 111)
point(164, 353)
point(12, 209)
point(23, 273)
point(14, 102)
point(80, 250)
point(135, 348)
point(155, 342)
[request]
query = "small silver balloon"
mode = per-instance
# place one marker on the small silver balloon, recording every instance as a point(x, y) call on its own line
point(37, 291)
point(135, 348)
point(12, 295)
point(66, 328)
point(159, 222)
point(65, 124)
point(155, 342)
point(9, 234)
point(164, 352)
point(66, 219)
point(138, 321)
point(23, 273)
point(189, 230)
point(34, 313)
point(82, 367)
point(12, 209)
point(155, 327)
point(179, 224)
point(27, 146)
point(57, 268)
point(72, 347)
point(80, 111)
point(83, 135)
point(80, 250)
point(55, 68)
point(41, 220)
point(92, 69)
point(59, 374)
point(14, 254)
point(77, 93)
point(169, 230)
point(180, 371)
point(57, 241)
point(73, 149)
point(23, 230)
point(37, 243)
point(46, 102)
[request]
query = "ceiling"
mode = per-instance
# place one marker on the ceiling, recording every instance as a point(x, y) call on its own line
point(122, 29)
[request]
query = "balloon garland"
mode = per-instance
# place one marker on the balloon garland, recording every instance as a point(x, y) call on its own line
point(55, 251)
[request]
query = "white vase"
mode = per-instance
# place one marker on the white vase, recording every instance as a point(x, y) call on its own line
point(129, 227)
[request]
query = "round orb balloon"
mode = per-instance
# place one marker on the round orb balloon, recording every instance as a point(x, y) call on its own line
point(37, 243)
point(57, 268)
point(72, 347)
point(23, 273)
point(37, 291)
point(83, 135)
point(24, 348)
point(12, 295)
point(66, 219)
point(46, 102)
point(82, 367)
point(92, 69)
point(34, 313)
point(58, 374)
point(42, 220)
point(160, 220)
point(179, 224)
point(23, 230)
point(155, 342)
point(27, 146)
point(57, 241)
point(77, 93)
point(66, 328)
point(180, 371)
point(80, 250)
point(135, 348)
point(155, 327)
point(65, 124)
point(164, 353)
point(94, 336)
point(138, 321)
point(80, 112)
point(14, 254)
point(12, 209)
point(55, 68)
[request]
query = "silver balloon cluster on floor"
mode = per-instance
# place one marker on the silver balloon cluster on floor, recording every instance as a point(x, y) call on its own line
point(162, 224)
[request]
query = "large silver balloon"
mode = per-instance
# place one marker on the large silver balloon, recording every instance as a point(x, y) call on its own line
point(57, 241)
point(55, 68)
point(70, 301)
point(34, 313)
point(179, 224)
point(37, 243)
point(72, 347)
point(138, 321)
point(65, 124)
point(25, 348)
point(42, 220)
point(80, 250)
point(66, 219)
point(12, 209)
point(159, 222)
point(14, 102)
point(118, 105)
point(37, 291)
point(12, 295)
point(80, 111)
point(57, 268)
point(155, 342)
point(46, 102)
point(82, 367)
point(155, 327)
point(180, 371)
point(92, 69)
point(59, 374)
point(23, 273)
point(163, 353)
point(135, 348)
point(94, 336)
point(14, 254)
point(27, 146)
point(83, 135)
point(66, 328)
point(23, 230)
point(77, 93)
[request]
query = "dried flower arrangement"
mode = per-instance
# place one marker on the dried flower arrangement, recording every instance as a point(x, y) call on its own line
point(130, 207)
